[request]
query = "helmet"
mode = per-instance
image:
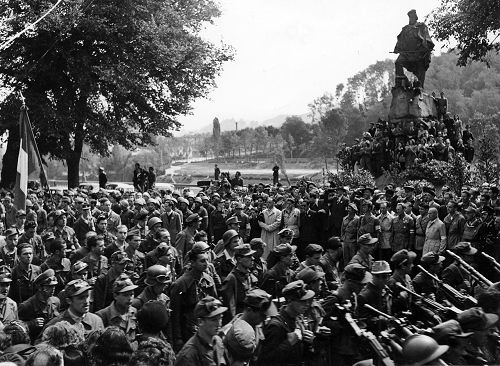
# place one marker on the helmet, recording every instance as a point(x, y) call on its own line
point(153, 221)
point(156, 274)
point(228, 235)
point(419, 349)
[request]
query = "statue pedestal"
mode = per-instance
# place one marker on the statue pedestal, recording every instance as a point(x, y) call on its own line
point(406, 105)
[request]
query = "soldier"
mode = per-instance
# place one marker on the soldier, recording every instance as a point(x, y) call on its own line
point(132, 250)
point(454, 274)
point(287, 341)
point(385, 218)
point(121, 313)
point(239, 281)
point(368, 223)
point(435, 234)
point(402, 262)
point(280, 273)
point(420, 228)
point(185, 293)
point(338, 209)
point(244, 337)
point(77, 298)
point(23, 275)
point(8, 307)
point(403, 230)
point(185, 239)
point(118, 244)
point(103, 289)
point(349, 232)
point(356, 276)
point(40, 308)
point(285, 236)
point(58, 262)
point(156, 281)
point(313, 254)
point(420, 349)
point(61, 230)
point(79, 271)
point(424, 284)
point(329, 262)
point(20, 220)
point(97, 263)
point(259, 267)
point(376, 293)
point(224, 263)
point(171, 220)
point(8, 253)
point(363, 256)
point(455, 224)
point(233, 223)
point(30, 236)
point(201, 349)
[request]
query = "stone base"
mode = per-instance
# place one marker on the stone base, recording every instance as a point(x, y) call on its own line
point(406, 105)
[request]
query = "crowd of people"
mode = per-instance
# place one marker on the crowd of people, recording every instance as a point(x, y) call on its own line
point(399, 145)
point(259, 275)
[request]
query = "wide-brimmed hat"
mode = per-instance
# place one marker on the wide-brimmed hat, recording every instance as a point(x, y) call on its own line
point(475, 319)
point(366, 239)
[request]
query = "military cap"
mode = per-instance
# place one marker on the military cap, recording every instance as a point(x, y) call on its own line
point(208, 307)
point(243, 250)
point(424, 205)
point(366, 239)
point(285, 249)
point(79, 266)
point(79, 199)
point(85, 206)
point(123, 284)
point(313, 249)
point(66, 199)
point(48, 236)
point(260, 300)
point(412, 12)
point(475, 319)
point(357, 272)
point(192, 218)
point(257, 243)
point(285, 233)
point(333, 243)
point(176, 193)
point(140, 201)
point(447, 330)
point(76, 287)
point(10, 231)
point(380, 267)
point(29, 203)
point(47, 278)
point(353, 206)
point(371, 189)
point(200, 247)
point(154, 221)
point(469, 210)
point(132, 233)
point(20, 213)
point(240, 340)
point(5, 274)
point(232, 220)
point(464, 248)
point(490, 210)
point(59, 213)
point(429, 190)
point(228, 235)
point(409, 188)
point(403, 256)
point(309, 275)
point(198, 200)
point(296, 290)
point(119, 257)
point(432, 258)
point(156, 274)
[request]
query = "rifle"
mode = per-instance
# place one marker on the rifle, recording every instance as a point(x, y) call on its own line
point(471, 270)
point(492, 260)
point(451, 293)
point(431, 303)
point(399, 323)
point(380, 351)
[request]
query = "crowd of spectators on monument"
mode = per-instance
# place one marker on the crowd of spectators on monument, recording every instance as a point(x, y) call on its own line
point(399, 145)
point(232, 274)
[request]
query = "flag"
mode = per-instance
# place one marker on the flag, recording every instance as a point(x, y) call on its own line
point(29, 162)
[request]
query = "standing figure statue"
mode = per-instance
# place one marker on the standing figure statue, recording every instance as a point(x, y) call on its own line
point(414, 47)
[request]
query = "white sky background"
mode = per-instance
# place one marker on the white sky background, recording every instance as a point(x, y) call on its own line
point(289, 52)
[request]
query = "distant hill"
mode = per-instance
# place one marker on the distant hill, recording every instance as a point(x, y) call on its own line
point(230, 124)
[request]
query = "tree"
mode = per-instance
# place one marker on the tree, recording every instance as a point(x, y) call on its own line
point(473, 24)
point(330, 133)
point(106, 73)
point(319, 106)
point(296, 133)
point(487, 153)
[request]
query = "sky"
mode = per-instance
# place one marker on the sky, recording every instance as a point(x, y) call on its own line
point(289, 52)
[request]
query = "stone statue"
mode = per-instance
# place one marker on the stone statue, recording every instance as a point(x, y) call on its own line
point(414, 47)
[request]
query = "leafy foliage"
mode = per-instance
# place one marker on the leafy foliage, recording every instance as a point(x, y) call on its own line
point(352, 179)
point(487, 156)
point(108, 72)
point(473, 24)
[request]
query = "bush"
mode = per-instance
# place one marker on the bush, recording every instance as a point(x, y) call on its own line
point(351, 179)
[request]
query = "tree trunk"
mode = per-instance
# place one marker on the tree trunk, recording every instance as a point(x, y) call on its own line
point(9, 161)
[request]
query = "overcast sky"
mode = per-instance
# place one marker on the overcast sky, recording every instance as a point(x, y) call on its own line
point(289, 52)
